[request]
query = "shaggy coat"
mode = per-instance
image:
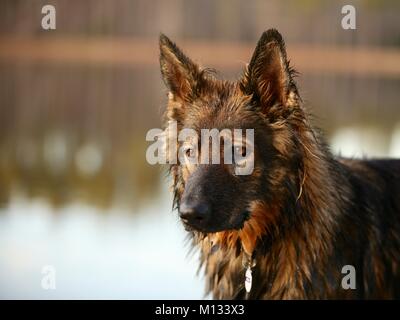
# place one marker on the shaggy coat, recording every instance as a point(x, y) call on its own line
point(303, 213)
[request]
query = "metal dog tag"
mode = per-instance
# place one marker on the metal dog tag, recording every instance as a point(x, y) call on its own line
point(248, 279)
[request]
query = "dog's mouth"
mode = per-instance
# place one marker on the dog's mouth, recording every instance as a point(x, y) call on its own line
point(236, 224)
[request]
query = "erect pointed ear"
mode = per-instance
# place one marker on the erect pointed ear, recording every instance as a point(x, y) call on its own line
point(268, 76)
point(181, 76)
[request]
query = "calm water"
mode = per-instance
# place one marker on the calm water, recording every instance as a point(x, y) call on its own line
point(95, 254)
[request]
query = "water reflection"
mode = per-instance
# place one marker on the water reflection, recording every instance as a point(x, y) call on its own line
point(60, 170)
point(95, 255)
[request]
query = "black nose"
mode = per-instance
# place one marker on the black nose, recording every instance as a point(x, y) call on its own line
point(195, 213)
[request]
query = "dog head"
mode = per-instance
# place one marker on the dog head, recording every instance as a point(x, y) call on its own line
point(211, 196)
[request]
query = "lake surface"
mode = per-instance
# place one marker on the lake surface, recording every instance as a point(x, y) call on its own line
point(95, 254)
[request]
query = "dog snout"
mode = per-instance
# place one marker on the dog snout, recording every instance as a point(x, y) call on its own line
point(194, 213)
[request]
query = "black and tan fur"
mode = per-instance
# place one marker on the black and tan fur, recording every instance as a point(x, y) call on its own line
point(303, 213)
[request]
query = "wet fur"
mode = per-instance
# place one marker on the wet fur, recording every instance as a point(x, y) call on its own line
point(310, 212)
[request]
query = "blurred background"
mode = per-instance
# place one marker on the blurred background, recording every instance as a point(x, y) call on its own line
point(76, 192)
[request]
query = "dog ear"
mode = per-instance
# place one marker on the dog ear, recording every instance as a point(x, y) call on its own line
point(181, 76)
point(268, 77)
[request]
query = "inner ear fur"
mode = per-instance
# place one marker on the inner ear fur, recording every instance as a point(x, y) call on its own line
point(268, 77)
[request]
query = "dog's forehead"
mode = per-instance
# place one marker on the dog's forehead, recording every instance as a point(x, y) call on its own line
point(223, 106)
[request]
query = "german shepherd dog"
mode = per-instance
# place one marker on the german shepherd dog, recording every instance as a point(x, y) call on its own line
point(302, 214)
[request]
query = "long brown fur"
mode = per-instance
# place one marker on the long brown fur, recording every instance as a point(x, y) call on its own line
point(310, 213)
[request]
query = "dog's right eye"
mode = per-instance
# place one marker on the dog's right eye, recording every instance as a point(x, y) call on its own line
point(239, 151)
